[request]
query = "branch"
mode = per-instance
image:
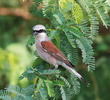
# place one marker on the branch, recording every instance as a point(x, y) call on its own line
point(16, 12)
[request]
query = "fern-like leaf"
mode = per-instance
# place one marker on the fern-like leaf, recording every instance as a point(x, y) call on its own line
point(87, 52)
point(66, 93)
point(4, 95)
point(101, 13)
point(68, 50)
point(50, 88)
point(43, 93)
point(75, 87)
point(65, 80)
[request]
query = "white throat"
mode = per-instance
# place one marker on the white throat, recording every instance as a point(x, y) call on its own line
point(42, 37)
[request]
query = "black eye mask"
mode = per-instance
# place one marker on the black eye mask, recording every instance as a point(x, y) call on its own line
point(39, 31)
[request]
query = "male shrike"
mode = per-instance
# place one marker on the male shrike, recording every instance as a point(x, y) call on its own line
point(50, 53)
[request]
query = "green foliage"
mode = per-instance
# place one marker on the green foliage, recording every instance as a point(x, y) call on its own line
point(74, 26)
point(74, 35)
point(70, 8)
point(5, 95)
point(50, 88)
point(46, 81)
point(43, 93)
point(20, 94)
point(87, 53)
point(31, 41)
point(67, 93)
point(64, 94)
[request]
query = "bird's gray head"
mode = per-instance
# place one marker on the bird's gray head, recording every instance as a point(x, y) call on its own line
point(39, 29)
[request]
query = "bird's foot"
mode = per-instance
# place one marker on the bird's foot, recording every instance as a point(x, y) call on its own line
point(56, 67)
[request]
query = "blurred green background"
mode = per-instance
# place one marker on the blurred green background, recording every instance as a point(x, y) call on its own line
point(16, 23)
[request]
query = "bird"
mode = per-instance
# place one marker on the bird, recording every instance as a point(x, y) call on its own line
point(50, 53)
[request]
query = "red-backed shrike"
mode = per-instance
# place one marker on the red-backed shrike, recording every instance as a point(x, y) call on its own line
point(50, 53)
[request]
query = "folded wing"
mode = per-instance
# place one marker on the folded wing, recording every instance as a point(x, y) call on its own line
point(51, 49)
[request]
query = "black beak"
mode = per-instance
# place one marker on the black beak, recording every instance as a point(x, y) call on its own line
point(35, 33)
